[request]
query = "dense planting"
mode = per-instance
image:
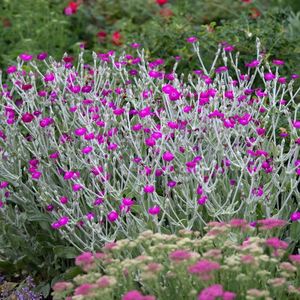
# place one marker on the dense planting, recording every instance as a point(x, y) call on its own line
point(161, 167)
point(232, 261)
point(120, 146)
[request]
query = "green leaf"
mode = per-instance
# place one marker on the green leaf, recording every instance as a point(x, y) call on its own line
point(65, 252)
point(72, 272)
point(43, 289)
point(295, 231)
point(6, 266)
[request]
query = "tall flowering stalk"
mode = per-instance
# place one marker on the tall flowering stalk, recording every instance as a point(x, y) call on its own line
point(106, 149)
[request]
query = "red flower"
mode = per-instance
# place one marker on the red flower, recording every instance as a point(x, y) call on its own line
point(255, 13)
point(116, 38)
point(71, 8)
point(101, 35)
point(166, 12)
point(161, 2)
point(74, 6)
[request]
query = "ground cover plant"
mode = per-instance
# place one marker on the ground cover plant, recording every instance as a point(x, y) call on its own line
point(234, 260)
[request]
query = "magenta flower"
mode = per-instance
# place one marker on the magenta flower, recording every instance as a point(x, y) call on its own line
point(54, 155)
point(245, 119)
point(278, 62)
point(221, 69)
point(261, 131)
point(282, 102)
point(25, 57)
point(296, 124)
point(156, 135)
point(192, 39)
point(112, 216)
point(154, 74)
point(97, 170)
point(69, 175)
point(42, 56)
point(49, 77)
point(228, 123)
point(229, 48)
point(171, 183)
point(98, 201)
point(60, 223)
point(11, 69)
point(282, 80)
point(155, 210)
point(174, 95)
point(173, 125)
point(145, 112)
point(3, 185)
point(168, 156)
point(89, 136)
point(119, 111)
point(77, 187)
point(202, 200)
point(36, 175)
point(80, 131)
point(295, 216)
point(149, 189)
point(87, 150)
point(42, 93)
point(46, 122)
point(127, 202)
point(167, 89)
point(135, 45)
point(90, 216)
point(137, 127)
point(150, 142)
point(27, 117)
point(269, 76)
point(63, 200)
point(253, 64)
point(187, 109)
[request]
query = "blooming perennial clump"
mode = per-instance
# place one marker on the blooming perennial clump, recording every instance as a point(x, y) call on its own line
point(235, 264)
point(78, 139)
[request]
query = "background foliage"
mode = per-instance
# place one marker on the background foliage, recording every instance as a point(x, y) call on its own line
point(42, 25)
